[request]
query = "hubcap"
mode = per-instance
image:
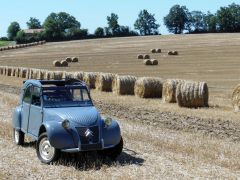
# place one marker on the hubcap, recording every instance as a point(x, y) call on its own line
point(46, 150)
point(16, 136)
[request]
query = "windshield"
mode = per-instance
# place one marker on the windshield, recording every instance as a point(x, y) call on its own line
point(66, 96)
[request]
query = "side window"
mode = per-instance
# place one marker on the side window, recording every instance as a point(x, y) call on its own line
point(27, 95)
point(36, 100)
point(76, 95)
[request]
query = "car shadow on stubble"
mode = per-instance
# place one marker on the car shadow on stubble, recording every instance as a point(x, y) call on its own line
point(93, 161)
point(85, 161)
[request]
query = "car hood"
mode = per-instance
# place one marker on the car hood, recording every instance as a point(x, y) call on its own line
point(82, 116)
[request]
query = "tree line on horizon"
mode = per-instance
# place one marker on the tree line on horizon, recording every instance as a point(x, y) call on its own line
point(63, 26)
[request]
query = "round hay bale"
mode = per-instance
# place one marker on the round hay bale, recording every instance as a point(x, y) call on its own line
point(48, 75)
point(236, 98)
point(153, 51)
point(1, 70)
point(79, 75)
point(9, 71)
point(148, 87)
point(14, 69)
point(74, 59)
point(158, 50)
point(104, 82)
point(69, 75)
point(90, 79)
point(57, 63)
point(146, 56)
point(64, 63)
point(17, 72)
point(124, 85)
point(68, 59)
point(147, 62)
point(23, 73)
point(192, 94)
point(58, 75)
point(170, 53)
point(175, 53)
point(140, 56)
point(169, 90)
point(35, 73)
point(154, 62)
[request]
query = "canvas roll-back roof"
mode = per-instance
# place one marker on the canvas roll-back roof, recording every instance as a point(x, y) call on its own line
point(42, 83)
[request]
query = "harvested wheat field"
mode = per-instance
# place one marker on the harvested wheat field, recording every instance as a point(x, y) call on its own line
point(161, 140)
point(158, 143)
point(212, 58)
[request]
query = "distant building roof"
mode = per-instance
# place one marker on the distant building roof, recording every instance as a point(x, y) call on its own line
point(33, 31)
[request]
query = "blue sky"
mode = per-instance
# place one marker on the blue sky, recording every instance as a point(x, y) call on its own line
point(93, 13)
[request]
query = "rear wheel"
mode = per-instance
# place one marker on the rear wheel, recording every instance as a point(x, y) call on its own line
point(114, 152)
point(18, 136)
point(45, 152)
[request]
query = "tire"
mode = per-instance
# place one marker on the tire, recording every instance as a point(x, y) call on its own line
point(18, 137)
point(114, 152)
point(45, 152)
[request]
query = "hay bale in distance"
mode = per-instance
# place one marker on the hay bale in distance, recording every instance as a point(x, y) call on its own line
point(154, 62)
point(57, 63)
point(90, 79)
point(140, 56)
point(58, 75)
point(79, 75)
point(69, 75)
point(148, 87)
point(147, 62)
point(173, 53)
point(74, 59)
point(124, 85)
point(104, 82)
point(236, 98)
point(9, 71)
point(158, 50)
point(68, 59)
point(192, 94)
point(64, 63)
point(13, 71)
point(169, 90)
point(146, 56)
point(23, 73)
point(153, 51)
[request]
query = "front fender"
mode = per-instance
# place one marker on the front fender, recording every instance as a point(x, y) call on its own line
point(111, 134)
point(59, 137)
point(16, 118)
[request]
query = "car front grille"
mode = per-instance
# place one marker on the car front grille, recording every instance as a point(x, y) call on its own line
point(88, 135)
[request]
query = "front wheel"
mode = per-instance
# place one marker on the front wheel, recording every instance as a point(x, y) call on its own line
point(114, 152)
point(45, 152)
point(18, 136)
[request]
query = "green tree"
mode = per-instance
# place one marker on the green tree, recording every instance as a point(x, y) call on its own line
point(34, 23)
point(99, 32)
point(177, 19)
point(229, 18)
point(146, 23)
point(57, 24)
point(113, 24)
point(13, 30)
point(210, 22)
point(21, 37)
point(197, 21)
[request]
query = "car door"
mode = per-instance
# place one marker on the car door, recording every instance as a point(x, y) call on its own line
point(35, 114)
point(26, 108)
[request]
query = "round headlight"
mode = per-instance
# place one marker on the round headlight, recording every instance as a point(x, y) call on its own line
point(66, 124)
point(108, 121)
